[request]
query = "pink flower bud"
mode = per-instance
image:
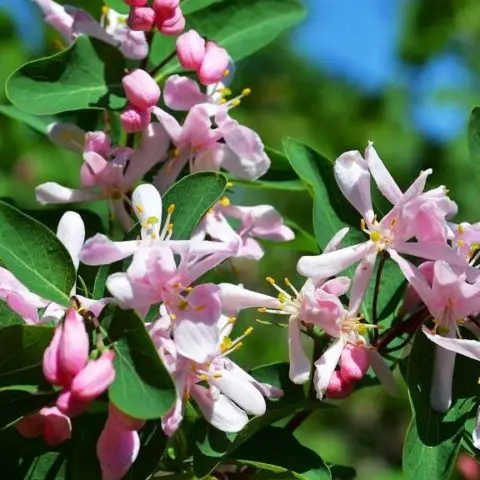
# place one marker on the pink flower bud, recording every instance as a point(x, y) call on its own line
point(73, 346)
point(354, 363)
point(214, 65)
point(141, 19)
point(30, 426)
point(95, 378)
point(134, 119)
point(98, 142)
point(339, 388)
point(70, 405)
point(117, 449)
point(135, 3)
point(163, 5)
point(122, 419)
point(468, 467)
point(141, 89)
point(173, 25)
point(57, 427)
point(190, 50)
point(50, 359)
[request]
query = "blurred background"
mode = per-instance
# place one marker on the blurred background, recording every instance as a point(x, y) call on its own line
point(402, 73)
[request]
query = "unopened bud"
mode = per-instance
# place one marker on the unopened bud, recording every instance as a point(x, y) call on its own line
point(50, 359)
point(173, 25)
point(70, 405)
point(57, 427)
point(354, 363)
point(126, 421)
point(135, 3)
point(134, 119)
point(95, 378)
point(141, 89)
point(339, 388)
point(214, 65)
point(190, 50)
point(141, 19)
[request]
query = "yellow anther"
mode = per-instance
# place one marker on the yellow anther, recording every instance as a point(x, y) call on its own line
point(460, 229)
point(188, 289)
point(226, 344)
point(362, 224)
point(105, 10)
point(362, 329)
point(176, 152)
point(204, 378)
point(171, 209)
point(225, 91)
point(177, 285)
point(154, 236)
point(394, 222)
point(474, 246)
point(152, 220)
point(139, 208)
point(232, 320)
point(170, 228)
point(217, 375)
point(238, 346)
point(173, 317)
point(282, 297)
point(461, 243)
point(443, 329)
point(287, 282)
point(262, 310)
point(230, 184)
point(270, 280)
point(226, 73)
point(375, 236)
point(225, 202)
point(248, 331)
point(199, 308)
point(246, 91)
point(182, 304)
point(222, 101)
point(236, 102)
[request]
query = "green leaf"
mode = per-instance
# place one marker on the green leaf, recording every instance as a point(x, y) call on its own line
point(119, 6)
point(35, 256)
point(86, 75)
point(193, 196)
point(49, 466)
point(240, 26)
point(142, 388)
point(433, 439)
point(100, 282)
point(9, 317)
point(190, 6)
point(36, 123)
point(285, 454)
point(331, 211)
point(474, 140)
point(285, 185)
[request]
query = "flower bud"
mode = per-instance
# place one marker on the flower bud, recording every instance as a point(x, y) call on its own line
point(163, 5)
point(122, 419)
point(135, 3)
point(117, 449)
point(73, 346)
point(354, 363)
point(173, 25)
point(98, 142)
point(214, 65)
point(141, 89)
point(339, 388)
point(134, 119)
point(70, 405)
point(95, 378)
point(57, 427)
point(141, 19)
point(191, 50)
point(50, 359)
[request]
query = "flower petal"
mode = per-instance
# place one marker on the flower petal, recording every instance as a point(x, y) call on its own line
point(182, 93)
point(52, 192)
point(100, 250)
point(236, 298)
point(325, 366)
point(442, 380)
point(71, 232)
point(300, 366)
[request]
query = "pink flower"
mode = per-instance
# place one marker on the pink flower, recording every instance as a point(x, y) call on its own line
point(415, 214)
point(141, 89)
point(134, 119)
point(449, 299)
point(141, 19)
point(190, 50)
point(95, 378)
point(214, 67)
point(135, 3)
point(338, 387)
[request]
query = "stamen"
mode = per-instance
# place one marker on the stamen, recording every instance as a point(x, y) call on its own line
point(225, 202)
point(171, 209)
point(139, 209)
point(246, 92)
point(199, 308)
point(226, 73)
point(182, 304)
point(230, 184)
point(105, 10)
point(375, 236)
point(460, 229)
point(289, 285)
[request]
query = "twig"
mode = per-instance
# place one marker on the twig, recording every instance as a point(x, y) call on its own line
point(376, 291)
point(154, 72)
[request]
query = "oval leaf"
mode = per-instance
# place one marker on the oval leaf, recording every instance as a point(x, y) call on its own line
point(35, 255)
point(86, 75)
point(142, 388)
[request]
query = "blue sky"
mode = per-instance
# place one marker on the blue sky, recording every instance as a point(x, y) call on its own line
point(356, 45)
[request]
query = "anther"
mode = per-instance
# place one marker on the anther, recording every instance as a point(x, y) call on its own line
point(248, 331)
point(226, 73)
point(246, 92)
point(139, 208)
point(171, 209)
point(270, 280)
point(230, 184)
point(225, 202)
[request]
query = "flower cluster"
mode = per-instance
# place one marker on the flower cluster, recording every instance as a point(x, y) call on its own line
point(161, 278)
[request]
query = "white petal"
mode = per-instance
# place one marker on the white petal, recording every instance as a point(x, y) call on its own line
point(147, 203)
point(467, 348)
point(222, 413)
point(325, 366)
point(52, 192)
point(100, 250)
point(336, 240)
point(241, 391)
point(476, 431)
point(385, 182)
point(331, 263)
point(353, 178)
point(71, 232)
point(299, 363)
point(236, 298)
point(196, 340)
point(67, 135)
point(120, 287)
point(361, 280)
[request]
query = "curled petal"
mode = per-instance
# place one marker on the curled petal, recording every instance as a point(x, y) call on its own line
point(325, 367)
point(71, 232)
point(467, 348)
point(100, 250)
point(52, 192)
point(299, 363)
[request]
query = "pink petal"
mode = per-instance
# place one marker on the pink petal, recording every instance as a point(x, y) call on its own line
point(361, 280)
point(476, 431)
point(325, 366)
point(353, 178)
point(100, 250)
point(235, 298)
point(300, 366)
point(336, 240)
point(182, 93)
point(66, 135)
point(170, 124)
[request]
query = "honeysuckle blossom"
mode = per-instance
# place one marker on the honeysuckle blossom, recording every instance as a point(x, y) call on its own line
point(110, 172)
point(195, 346)
point(258, 222)
point(415, 214)
point(450, 300)
point(71, 22)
